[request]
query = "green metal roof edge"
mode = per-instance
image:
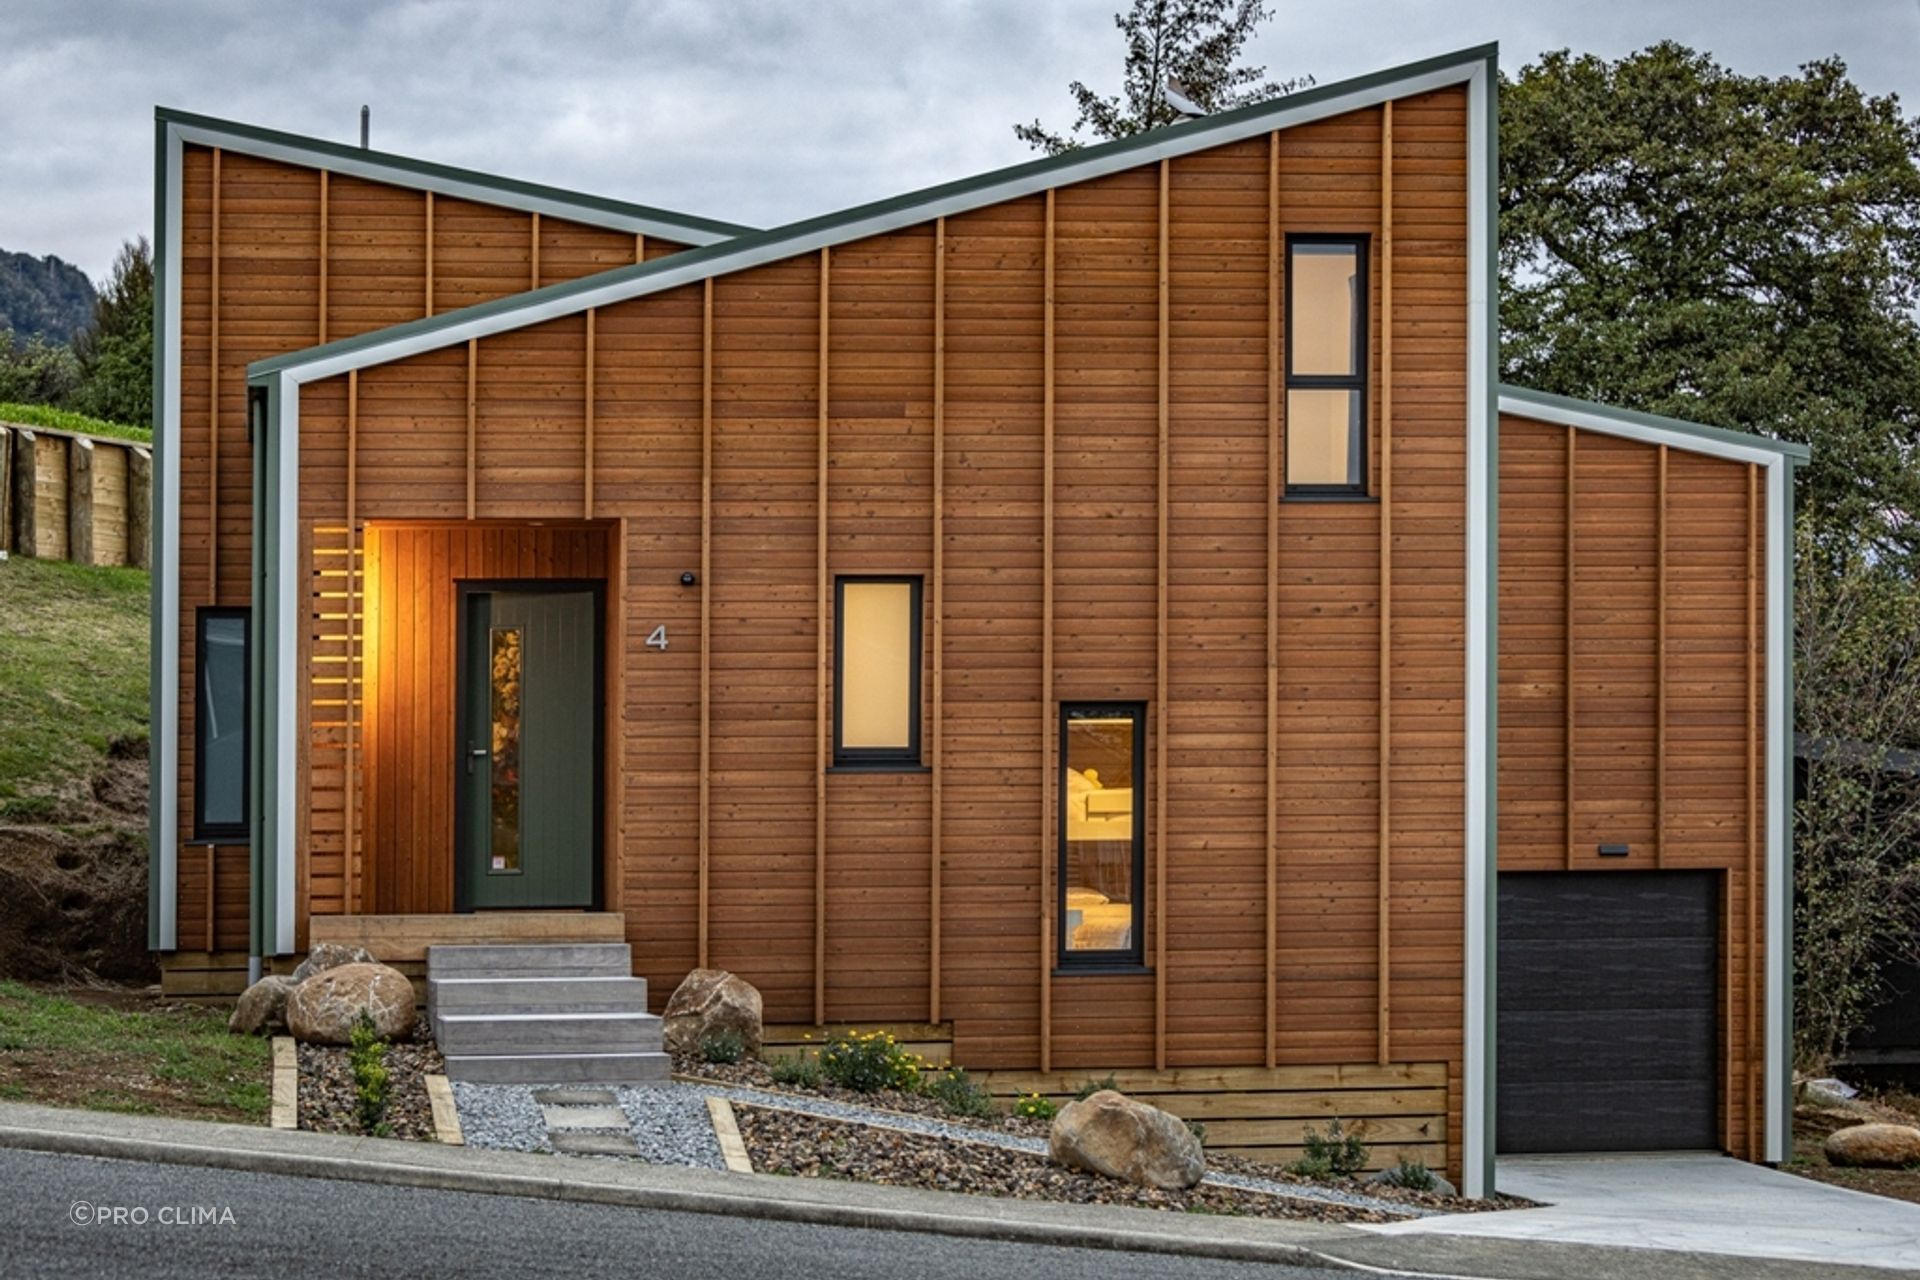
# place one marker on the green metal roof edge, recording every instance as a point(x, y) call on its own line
point(449, 173)
point(1196, 130)
point(1717, 435)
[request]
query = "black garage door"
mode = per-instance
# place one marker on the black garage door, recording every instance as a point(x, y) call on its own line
point(1608, 1036)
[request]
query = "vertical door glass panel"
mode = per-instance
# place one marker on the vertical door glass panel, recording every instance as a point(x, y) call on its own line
point(1323, 434)
point(223, 727)
point(504, 742)
point(1099, 795)
point(1323, 324)
point(876, 696)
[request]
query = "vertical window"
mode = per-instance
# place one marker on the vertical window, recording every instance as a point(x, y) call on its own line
point(876, 671)
point(220, 726)
point(1102, 833)
point(503, 741)
point(1326, 426)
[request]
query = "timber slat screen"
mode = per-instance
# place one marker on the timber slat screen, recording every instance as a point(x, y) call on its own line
point(277, 256)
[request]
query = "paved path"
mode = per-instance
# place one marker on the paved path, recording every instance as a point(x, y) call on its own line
point(1703, 1204)
point(289, 1227)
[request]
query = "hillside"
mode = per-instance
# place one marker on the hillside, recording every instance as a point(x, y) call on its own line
point(43, 297)
point(73, 773)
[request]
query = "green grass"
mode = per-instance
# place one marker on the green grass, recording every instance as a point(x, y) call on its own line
point(162, 1060)
point(40, 415)
point(73, 677)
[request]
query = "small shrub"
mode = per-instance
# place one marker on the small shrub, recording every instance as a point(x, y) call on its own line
point(795, 1073)
point(1035, 1106)
point(1198, 1130)
point(1338, 1153)
point(960, 1094)
point(1091, 1087)
point(371, 1081)
point(865, 1062)
point(1412, 1173)
point(723, 1048)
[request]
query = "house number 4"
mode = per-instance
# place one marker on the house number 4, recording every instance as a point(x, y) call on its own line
point(657, 638)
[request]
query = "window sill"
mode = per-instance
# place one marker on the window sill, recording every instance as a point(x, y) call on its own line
point(1118, 969)
point(1330, 497)
point(223, 842)
point(905, 766)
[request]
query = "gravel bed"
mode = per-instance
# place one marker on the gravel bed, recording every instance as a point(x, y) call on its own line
point(671, 1125)
point(755, 1075)
point(503, 1117)
point(328, 1098)
point(816, 1147)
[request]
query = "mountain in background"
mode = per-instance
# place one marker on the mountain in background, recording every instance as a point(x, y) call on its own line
point(43, 297)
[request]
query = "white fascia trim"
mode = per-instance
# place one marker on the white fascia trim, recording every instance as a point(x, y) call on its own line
point(1629, 429)
point(376, 171)
point(1177, 143)
point(1476, 1158)
point(166, 743)
point(1779, 478)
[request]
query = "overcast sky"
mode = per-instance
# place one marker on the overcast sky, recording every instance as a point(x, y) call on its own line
point(756, 111)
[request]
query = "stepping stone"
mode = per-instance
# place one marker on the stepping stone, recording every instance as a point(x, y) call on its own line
point(575, 1097)
point(561, 1118)
point(571, 1143)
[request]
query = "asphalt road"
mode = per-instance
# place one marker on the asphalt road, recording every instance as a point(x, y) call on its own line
point(252, 1224)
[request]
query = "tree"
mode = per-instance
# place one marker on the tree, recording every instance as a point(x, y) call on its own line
point(116, 351)
point(33, 371)
point(1197, 42)
point(1735, 250)
point(1857, 819)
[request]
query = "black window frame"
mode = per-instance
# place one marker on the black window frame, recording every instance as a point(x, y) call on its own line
point(205, 832)
point(879, 759)
point(1132, 959)
point(1357, 381)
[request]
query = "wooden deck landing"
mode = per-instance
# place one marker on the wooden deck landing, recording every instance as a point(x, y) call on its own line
point(393, 938)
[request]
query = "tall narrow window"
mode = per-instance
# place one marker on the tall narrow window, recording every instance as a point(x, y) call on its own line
point(1102, 833)
point(1326, 427)
point(220, 726)
point(876, 677)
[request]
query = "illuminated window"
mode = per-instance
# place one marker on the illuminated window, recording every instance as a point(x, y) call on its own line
point(1102, 833)
point(1326, 338)
point(876, 684)
point(220, 726)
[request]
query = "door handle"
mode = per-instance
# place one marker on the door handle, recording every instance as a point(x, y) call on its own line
point(474, 753)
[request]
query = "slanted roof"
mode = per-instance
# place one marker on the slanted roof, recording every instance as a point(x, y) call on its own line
point(1566, 411)
point(442, 179)
point(946, 199)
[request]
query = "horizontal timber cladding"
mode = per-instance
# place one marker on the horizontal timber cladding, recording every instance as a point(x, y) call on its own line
point(1660, 624)
point(277, 257)
point(738, 417)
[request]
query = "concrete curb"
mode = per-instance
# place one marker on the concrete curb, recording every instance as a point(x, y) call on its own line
point(301, 1154)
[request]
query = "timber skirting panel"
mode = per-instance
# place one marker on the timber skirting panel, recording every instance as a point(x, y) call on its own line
point(1400, 1109)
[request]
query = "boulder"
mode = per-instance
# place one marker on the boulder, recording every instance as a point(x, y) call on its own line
point(1111, 1134)
point(1874, 1146)
point(709, 1001)
point(322, 1009)
point(331, 955)
point(1394, 1178)
point(262, 1007)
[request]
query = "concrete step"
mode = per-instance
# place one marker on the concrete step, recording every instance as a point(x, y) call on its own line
point(531, 960)
point(559, 994)
point(517, 1033)
point(560, 1068)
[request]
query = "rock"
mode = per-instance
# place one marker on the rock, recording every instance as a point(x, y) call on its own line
point(262, 1007)
point(322, 1009)
point(329, 955)
point(1439, 1186)
point(1112, 1134)
point(712, 1000)
point(1874, 1146)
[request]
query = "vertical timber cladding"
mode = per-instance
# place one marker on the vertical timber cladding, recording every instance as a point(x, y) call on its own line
point(763, 557)
point(1663, 635)
point(303, 257)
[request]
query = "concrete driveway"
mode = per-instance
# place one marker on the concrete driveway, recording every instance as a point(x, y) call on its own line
point(1697, 1203)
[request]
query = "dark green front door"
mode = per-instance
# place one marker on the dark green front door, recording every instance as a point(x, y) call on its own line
point(529, 699)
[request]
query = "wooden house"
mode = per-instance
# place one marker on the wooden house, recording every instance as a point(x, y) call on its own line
point(1098, 615)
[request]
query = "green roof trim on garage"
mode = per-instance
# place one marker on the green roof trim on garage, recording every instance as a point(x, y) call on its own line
point(1517, 400)
point(896, 211)
point(447, 179)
